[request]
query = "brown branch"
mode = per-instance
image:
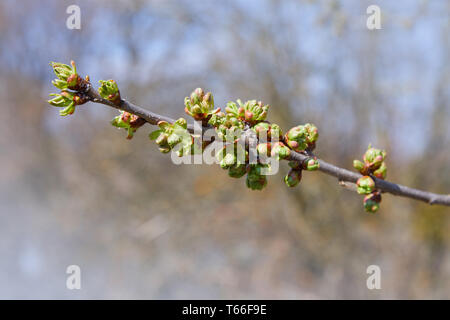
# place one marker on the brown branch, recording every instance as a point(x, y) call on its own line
point(340, 173)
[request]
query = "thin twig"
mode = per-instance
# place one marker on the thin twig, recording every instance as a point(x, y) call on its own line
point(340, 173)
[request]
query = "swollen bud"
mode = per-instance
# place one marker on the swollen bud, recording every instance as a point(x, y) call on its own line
point(263, 149)
point(311, 164)
point(372, 202)
point(358, 165)
point(280, 151)
point(296, 138)
point(293, 177)
point(255, 179)
point(365, 185)
point(381, 172)
point(237, 171)
point(374, 157)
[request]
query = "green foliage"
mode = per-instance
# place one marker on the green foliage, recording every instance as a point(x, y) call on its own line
point(64, 99)
point(67, 79)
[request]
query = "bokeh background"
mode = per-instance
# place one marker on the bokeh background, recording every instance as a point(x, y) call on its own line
point(73, 190)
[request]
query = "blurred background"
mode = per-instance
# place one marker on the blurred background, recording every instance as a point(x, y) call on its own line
point(74, 191)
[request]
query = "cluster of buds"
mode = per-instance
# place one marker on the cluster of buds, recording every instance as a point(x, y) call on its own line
point(67, 100)
point(302, 137)
point(251, 112)
point(248, 119)
point(67, 79)
point(373, 166)
point(199, 105)
point(128, 121)
point(373, 163)
point(228, 128)
point(170, 135)
point(235, 160)
point(110, 91)
point(294, 176)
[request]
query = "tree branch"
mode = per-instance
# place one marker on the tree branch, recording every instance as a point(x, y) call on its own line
point(340, 173)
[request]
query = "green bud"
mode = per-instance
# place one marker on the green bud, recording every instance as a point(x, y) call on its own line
point(297, 137)
point(162, 139)
point(374, 157)
point(197, 96)
point(173, 140)
point(371, 206)
point(109, 90)
point(263, 149)
point(200, 105)
point(182, 123)
point(275, 132)
point(311, 164)
point(262, 129)
point(131, 123)
point(232, 109)
point(228, 160)
point(255, 180)
point(170, 135)
point(358, 165)
point(280, 151)
point(372, 202)
point(237, 171)
point(293, 177)
point(217, 119)
point(252, 111)
point(256, 184)
point(380, 173)
point(313, 133)
point(301, 137)
point(365, 185)
point(209, 101)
